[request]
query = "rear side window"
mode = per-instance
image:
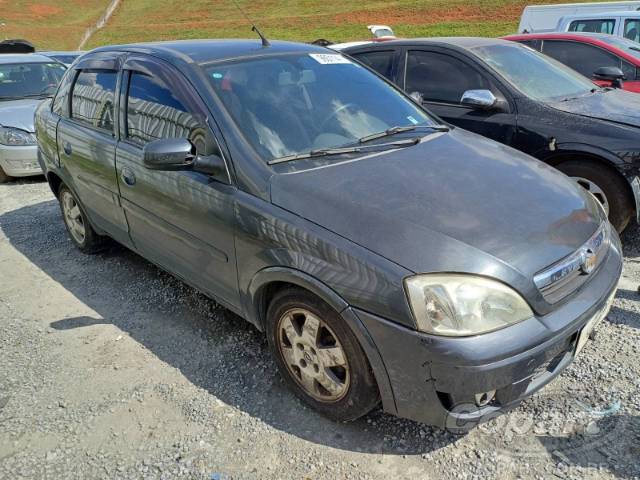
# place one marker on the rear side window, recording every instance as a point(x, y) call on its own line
point(593, 26)
point(93, 97)
point(632, 30)
point(441, 78)
point(381, 62)
point(583, 58)
point(154, 112)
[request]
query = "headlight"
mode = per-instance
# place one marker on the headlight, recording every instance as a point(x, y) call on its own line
point(16, 137)
point(460, 305)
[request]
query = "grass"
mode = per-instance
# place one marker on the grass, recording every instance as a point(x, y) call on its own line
point(60, 24)
point(49, 24)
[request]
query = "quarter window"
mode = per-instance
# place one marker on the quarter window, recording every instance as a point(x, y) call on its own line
point(93, 97)
point(593, 26)
point(441, 78)
point(154, 112)
point(381, 62)
point(583, 58)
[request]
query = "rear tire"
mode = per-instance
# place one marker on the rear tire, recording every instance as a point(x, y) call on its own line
point(75, 219)
point(319, 356)
point(606, 183)
point(4, 178)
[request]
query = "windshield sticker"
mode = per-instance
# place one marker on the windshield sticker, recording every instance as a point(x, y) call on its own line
point(329, 58)
point(216, 75)
point(413, 120)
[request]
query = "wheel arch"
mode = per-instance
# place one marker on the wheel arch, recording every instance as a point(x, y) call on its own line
point(602, 157)
point(54, 183)
point(270, 280)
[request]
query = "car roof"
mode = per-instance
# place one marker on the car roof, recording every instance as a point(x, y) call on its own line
point(206, 51)
point(23, 58)
point(602, 15)
point(590, 36)
point(61, 52)
point(465, 43)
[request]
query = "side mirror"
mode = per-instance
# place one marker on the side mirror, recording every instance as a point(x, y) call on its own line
point(168, 154)
point(479, 99)
point(417, 97)
point(610, 74)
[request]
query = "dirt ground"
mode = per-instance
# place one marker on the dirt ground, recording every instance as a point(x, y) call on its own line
point(110, 368)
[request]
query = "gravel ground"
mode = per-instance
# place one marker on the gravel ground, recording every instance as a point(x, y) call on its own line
point(110, 368)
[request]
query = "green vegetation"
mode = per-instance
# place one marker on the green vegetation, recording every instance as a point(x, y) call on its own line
point(60, 24)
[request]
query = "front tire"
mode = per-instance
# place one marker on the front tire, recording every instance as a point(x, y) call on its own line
point(75, 219)
point(319, 356)
point(609, 188)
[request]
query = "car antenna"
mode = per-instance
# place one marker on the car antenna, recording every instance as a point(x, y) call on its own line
point(265, 42)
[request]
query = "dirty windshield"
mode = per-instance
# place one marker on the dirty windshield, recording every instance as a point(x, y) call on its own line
point(293, 104)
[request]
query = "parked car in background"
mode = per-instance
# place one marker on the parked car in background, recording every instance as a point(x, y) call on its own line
point(25, 80)
point(519, 97)
point(550, 18)
point(619, 24)
point(375, 246)
point(589, 54)
point(66, 58)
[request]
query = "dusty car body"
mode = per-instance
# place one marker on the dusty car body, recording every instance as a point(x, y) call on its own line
point(271, 181)
point(516, 96)
point(25, 80)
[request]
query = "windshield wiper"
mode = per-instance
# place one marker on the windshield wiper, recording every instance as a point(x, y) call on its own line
point(394, 130)
point(323, 152)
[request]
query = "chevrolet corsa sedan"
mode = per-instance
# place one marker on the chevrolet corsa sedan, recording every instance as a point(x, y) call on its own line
point(387, 256)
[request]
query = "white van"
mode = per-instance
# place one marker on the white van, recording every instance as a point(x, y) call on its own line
point(547, 18)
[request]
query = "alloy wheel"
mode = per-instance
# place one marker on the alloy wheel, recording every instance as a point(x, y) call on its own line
point(594, 190)
point(313, 355)
point(73, 217)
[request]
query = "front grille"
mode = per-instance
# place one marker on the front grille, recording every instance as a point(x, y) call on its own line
point(566, 276)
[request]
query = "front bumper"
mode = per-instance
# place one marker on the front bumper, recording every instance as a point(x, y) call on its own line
point(435, 380)
point(20, 161)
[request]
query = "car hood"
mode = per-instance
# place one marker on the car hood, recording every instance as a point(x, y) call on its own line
point(447, 204)
point(19, 113)
point(617, 106)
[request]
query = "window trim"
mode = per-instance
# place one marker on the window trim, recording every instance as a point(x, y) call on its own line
point(75, 121)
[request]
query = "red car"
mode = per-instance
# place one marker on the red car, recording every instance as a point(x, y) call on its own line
point(588, 52)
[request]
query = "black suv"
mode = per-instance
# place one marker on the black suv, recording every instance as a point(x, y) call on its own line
point(386, 256)
point(519, 97)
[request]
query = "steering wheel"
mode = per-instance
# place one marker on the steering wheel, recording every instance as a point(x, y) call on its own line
point(333, 114)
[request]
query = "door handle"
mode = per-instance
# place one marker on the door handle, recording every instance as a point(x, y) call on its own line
point(67, 148)
point(128, 177)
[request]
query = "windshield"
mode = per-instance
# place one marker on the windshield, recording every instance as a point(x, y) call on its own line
point(628, 46)
point(534, 74)
point(23, 80)
point(292, 104)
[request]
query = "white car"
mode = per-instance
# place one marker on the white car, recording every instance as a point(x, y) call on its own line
point(614, 18)
point(25, 80)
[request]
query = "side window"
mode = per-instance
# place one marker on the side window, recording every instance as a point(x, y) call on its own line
point(632, 29)
point(593, 26)
point(92, 98)
point(154, 112)
point(629, 70)
point(441, 78)
point(60, 101)
point(381, 62)
point(583, 58)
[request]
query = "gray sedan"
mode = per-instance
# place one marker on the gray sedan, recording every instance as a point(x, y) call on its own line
point(25, 80)
point(388, 257)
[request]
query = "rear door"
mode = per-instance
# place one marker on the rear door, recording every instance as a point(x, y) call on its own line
point(441, 77)
point(87, 143)
point(181, 220)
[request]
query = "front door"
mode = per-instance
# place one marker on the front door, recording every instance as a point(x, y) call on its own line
point(442, 78)
point(181, 220)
